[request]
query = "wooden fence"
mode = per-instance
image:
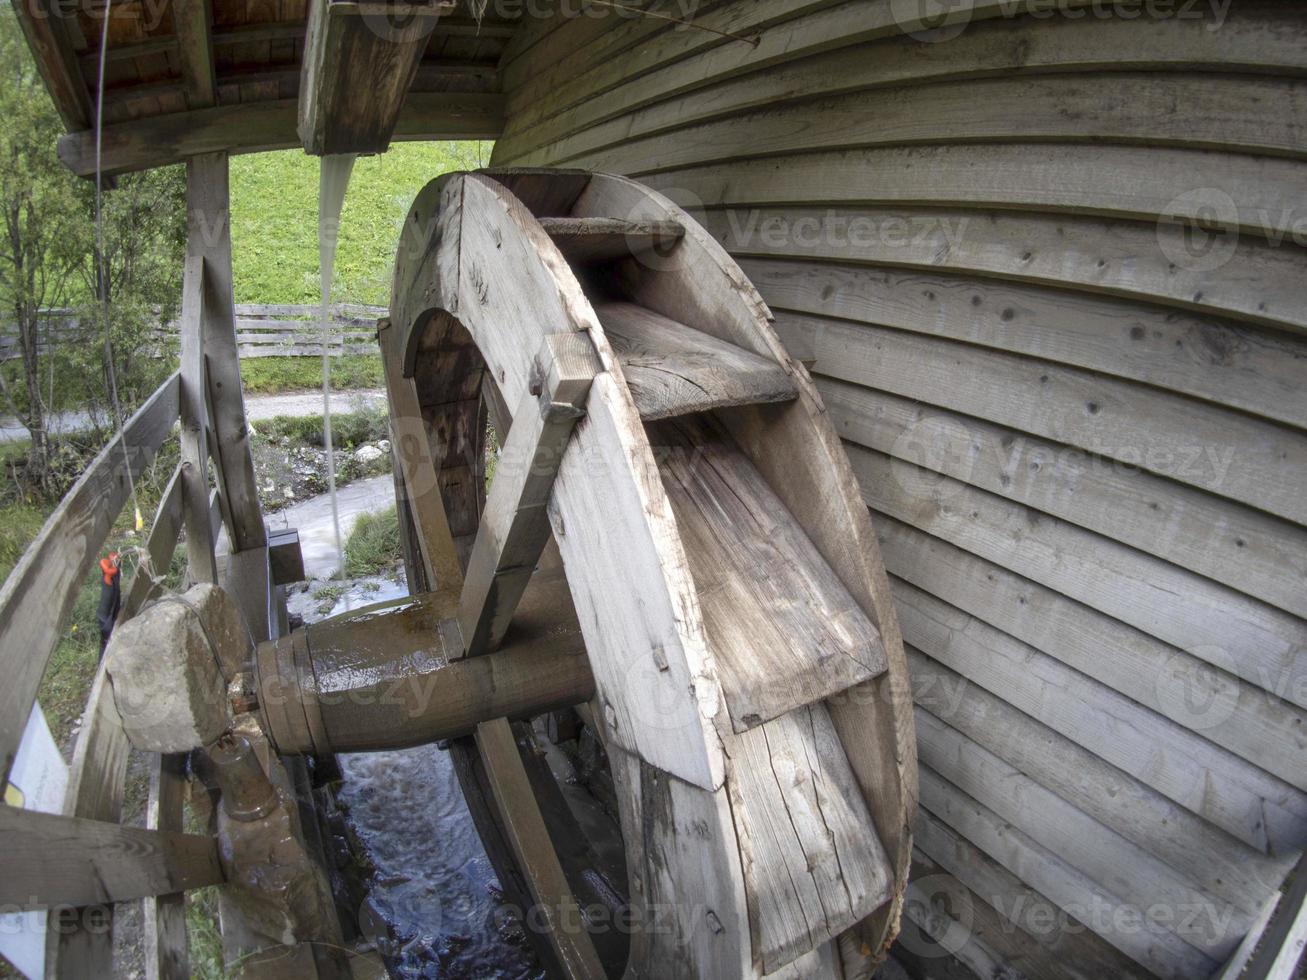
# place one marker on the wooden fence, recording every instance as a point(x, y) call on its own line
point(296, 331)
point(262, 330)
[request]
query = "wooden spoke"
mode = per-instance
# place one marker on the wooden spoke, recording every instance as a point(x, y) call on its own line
point(534, 851)
point(514, 526)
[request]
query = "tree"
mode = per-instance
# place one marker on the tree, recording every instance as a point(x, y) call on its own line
point(42, 226)
point(50, 257)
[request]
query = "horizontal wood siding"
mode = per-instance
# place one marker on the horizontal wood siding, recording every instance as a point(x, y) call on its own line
point(1047, 264)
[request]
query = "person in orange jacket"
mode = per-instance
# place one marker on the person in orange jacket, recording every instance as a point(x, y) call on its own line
point(110, 596)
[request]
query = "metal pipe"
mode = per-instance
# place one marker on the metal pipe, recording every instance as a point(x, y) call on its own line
point(393, 675)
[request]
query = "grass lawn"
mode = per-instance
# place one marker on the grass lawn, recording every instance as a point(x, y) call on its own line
point(275, 375)
point(274, 229)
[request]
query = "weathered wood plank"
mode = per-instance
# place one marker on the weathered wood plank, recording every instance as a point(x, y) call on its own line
point(1146, 942)
point(254, 127)
point(45, 25)
point(1008, 914)
point(813, 863)
point(1047, 177)
point(1235, 456)
point(1245, 801)
point(1123, 868)
point(1241, 115)
point(1259, 555)
point(529, 839)
point(1197, 849)
point(1262, 37)
point(1232, 633)
point(797, 451)
point(1244, 367)
point(166, 951)
point(672, 369)
point(192, 22)
point(1281, 941)
point(589, 240)
point(784, 630)
point(39, 593)
point(59, 860)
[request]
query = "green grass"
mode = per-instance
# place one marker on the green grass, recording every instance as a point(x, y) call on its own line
point(275, 375)
point(19, 524)
point(274, 225)
point(349, 430)
point(203, 939)
point(373, 546)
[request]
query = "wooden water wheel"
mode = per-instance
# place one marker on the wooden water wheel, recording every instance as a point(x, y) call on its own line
point(752, 701)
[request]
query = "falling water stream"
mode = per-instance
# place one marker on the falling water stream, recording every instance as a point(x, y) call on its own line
point(434, 903)
point(333, 181)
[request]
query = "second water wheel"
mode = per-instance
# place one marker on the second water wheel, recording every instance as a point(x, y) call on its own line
point(668, 485)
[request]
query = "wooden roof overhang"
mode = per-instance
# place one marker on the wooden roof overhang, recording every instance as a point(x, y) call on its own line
point(183, 77)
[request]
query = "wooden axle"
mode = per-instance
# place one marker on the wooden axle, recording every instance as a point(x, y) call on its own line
point(393, 675)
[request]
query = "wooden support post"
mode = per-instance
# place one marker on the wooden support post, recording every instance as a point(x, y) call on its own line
point(534, 851)
point(165, 915)
point(412, 453)
point(359, 61)
point(515, 525)
point(209, 237)
point(194, 441)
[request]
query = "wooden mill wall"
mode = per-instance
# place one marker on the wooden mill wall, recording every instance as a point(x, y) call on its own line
point(1078, 423)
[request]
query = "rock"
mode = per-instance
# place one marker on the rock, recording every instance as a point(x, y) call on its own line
point(367, 455)
point(384, 445)
point(170, 665)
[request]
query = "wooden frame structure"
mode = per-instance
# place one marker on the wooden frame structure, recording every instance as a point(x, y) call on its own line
point(1044, 267)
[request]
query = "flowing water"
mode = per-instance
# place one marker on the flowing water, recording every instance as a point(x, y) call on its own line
point(434, 903)
point(333, 181)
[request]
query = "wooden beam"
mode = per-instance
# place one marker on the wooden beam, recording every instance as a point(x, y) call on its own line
point(359, 61)
point(252, 128)
point(246, 34)
point(164, 532)
point(193, 20)
point(208, 218)
point(194, 466)
point(528, 837)
point(44, 24)
point(39, 593)
point(53, 860)
point(515, 524)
